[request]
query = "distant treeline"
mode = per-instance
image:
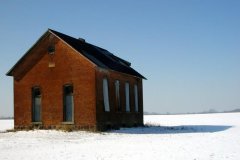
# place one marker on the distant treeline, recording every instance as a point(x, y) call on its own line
point(6, 117)
point(235, 110)
point(203, 112)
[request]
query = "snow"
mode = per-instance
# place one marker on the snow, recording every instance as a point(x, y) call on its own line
point(5, 124)
point(167, 137)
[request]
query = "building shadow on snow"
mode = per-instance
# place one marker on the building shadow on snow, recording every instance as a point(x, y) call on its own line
point(152, 129)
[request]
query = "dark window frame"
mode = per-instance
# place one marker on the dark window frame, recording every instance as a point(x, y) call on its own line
point(136, 96)
point(129, 96)
point(34, 93)
point(71, 92)
point(117, 83)
point(108, 91)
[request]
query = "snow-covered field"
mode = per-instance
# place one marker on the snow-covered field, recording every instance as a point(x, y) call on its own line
point(169, 137)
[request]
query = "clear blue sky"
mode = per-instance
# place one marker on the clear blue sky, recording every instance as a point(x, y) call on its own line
point(189, 50)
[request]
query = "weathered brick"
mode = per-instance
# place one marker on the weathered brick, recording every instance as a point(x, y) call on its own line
point(86, 78)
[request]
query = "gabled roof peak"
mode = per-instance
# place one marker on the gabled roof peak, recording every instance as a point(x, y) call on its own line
point(99, 56)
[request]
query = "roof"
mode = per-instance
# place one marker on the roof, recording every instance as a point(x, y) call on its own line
point(99, 56)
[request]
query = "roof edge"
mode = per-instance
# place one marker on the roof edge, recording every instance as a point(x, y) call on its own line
point(9, 73)
point(52, 31)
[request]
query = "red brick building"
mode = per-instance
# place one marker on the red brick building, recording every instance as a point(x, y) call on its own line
point(66, 82)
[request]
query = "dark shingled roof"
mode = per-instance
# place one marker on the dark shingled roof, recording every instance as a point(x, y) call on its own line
point(101, 57)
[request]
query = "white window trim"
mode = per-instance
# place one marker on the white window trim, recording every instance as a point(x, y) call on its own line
point(106, 95)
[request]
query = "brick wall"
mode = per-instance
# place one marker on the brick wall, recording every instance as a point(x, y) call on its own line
point(116, 118)
point(70, 68)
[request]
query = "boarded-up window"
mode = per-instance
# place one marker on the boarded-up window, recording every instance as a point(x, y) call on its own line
point(117, 95)
point(68, 103)
point(36, 105)
point(136, 97)
point(105, 95)
point(127, 97)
